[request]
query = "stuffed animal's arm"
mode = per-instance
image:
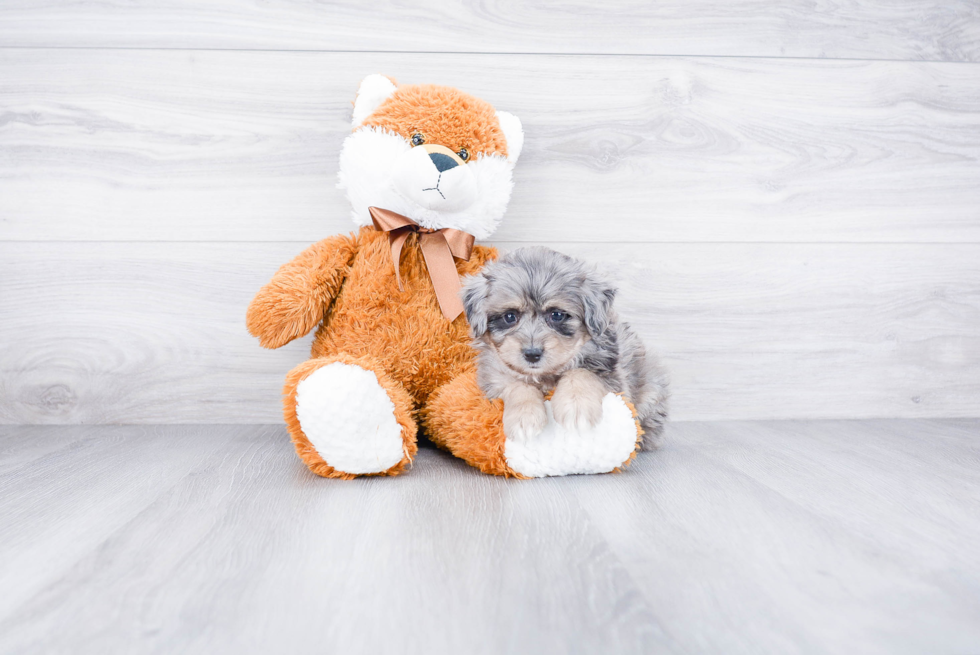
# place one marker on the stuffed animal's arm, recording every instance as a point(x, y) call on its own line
point(297, 297)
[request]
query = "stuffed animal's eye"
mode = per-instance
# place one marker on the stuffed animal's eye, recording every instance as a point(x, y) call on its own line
point(510, 318)
point(418, 139)
point(463, 154)
point(558, 316)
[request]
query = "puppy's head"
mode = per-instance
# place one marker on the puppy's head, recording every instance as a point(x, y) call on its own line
point(536, 309)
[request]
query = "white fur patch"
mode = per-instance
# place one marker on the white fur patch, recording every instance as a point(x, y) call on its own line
point(374, 90)
point(417, 179)
point(513, 132)
point(369, 164)
point(349, 419)
point(558, 451)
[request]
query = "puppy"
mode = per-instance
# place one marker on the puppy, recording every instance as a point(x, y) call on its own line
point(542, 322)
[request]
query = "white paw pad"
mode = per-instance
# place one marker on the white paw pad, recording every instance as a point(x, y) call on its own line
point(349, 419)
point(561, 451)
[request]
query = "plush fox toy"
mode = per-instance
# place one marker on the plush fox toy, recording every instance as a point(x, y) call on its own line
point(427, 170)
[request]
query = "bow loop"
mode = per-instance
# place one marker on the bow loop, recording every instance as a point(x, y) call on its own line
point(438, 248)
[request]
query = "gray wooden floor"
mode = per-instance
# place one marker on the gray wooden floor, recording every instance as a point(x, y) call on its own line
point(770, 537)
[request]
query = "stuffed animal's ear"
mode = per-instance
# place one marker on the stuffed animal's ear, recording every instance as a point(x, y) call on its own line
point(374, 90)
point(597, 300)
point(475, 291)
point(514, 132)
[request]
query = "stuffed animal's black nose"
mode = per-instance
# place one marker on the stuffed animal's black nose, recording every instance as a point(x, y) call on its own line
point(442, 162)
point(533, 355)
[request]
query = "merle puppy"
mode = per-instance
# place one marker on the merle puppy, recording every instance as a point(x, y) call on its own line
point(542, 322)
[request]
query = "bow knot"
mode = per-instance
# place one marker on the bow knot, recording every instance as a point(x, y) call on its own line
point(438, 248)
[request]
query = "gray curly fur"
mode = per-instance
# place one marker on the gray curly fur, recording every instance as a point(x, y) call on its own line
point(540, 278)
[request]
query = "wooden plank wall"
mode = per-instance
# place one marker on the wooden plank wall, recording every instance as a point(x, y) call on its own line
point(789, 195)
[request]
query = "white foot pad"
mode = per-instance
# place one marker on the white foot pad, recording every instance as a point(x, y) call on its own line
point(558, 451)
point(349, 419)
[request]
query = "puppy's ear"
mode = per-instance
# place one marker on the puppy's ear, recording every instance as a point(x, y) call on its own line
point(597, 300)
point(475, 291)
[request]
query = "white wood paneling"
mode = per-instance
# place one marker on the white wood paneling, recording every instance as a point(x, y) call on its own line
point(240, 146)
point(154, 332)
point(889, 29)
point(798, 186)
point(796, 537)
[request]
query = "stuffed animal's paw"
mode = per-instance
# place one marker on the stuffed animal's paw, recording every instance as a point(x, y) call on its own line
point(277, 318)
point(351, 421)
point(560, 451)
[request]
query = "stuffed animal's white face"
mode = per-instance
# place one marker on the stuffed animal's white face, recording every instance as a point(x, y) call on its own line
point(396, 161)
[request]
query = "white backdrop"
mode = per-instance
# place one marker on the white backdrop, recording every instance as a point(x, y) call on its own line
point(790, 198)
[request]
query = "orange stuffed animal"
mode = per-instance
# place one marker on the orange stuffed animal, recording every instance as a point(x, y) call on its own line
point(427, 170)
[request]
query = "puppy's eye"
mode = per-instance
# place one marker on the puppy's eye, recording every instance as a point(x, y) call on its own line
point(557, 316)
point(464, 154)
point(510, 318)
point(418, 139)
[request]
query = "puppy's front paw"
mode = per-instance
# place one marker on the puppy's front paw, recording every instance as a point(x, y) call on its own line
point(576, 413)
point(577, 403)
point(524, 420)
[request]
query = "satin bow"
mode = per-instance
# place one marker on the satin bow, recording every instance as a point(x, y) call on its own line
point(438, 248)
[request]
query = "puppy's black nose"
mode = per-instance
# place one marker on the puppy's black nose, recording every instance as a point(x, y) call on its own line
point(442, 162)
point(533, 354)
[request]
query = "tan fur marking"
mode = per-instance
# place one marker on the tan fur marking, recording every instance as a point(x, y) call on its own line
point(559, 350)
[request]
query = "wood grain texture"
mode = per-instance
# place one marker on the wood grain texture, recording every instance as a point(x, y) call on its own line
point(243, 146)
point(154, 332)
point(824, 537)
point(228, 543)
point(889, 29)
point(756, 537)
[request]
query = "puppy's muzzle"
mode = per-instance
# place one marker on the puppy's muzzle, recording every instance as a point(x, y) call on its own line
point(533, 355)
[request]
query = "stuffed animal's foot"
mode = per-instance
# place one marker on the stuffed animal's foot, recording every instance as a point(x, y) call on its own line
point(347, 418)
point(559, 450)
point(459, 417)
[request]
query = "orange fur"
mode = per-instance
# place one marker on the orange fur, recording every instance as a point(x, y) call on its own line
point(296, 299)
point(461, 419)
point(403, 329)
point(446, 116)
point(639, 435)
point(347, 284)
